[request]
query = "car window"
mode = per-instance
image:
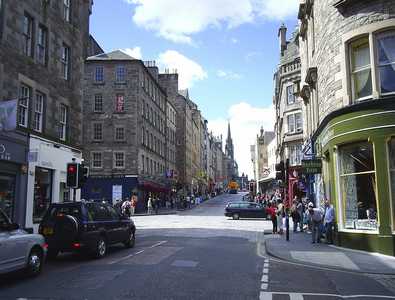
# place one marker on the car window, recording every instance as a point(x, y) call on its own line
point(234, 205)
point(71, 210)
point(243, 205)
point(251, 205)
point(98, 212)
point(114, 215)
point(4, 223)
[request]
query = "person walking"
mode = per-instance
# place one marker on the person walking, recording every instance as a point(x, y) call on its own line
point(126, 207)
point(280, 214)
point(295, 214)
point(329, 219)
point(149, 205)
point(134, 204)
point(271, 212)
point(315, 215)
point(300, 209)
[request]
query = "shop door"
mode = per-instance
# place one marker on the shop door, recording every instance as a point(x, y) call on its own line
point(7, 194)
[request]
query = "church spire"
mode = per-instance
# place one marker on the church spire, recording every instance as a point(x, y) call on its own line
point(229, 135)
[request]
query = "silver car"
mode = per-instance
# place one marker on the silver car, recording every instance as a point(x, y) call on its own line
point(19, 249)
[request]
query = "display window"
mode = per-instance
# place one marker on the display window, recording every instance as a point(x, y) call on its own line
point(358, 186)
point(7, 194)
point(42, 193)
point(391, 161)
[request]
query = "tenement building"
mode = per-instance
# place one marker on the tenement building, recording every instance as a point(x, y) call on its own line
point(43, 45)
point(289, 120)
point(262, 160)
point(124, 128)
point(348, 87)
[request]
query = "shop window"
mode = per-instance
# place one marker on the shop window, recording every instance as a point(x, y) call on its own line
point(386, 61)
point(42, 193)
point(391, 160)
point(7, 194)
point(358, 186)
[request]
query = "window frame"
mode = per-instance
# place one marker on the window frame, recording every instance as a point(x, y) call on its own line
point(99, 74)
point(116, 138)
point(93, 153)
point(388, 32)
point(391, 172)
point(23, 107)
point(42, 45)
point(67, 10)
point(120, 77)
point(287, 89)
point(97, 97)
point(94, 137)
point(115, 160)
point(28, 35)
point(66, 61)
point(63, 116)
point(38, 112)
point(119, 105)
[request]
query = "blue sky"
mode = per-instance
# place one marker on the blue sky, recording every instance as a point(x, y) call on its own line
point(225, 52)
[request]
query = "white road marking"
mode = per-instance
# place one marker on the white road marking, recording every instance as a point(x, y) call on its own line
point(265, 271)
point(134, 254)
point(299, 296)
point(265, 278)
point(264, 286)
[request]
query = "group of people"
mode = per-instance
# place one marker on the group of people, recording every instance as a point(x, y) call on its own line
point(304, 216)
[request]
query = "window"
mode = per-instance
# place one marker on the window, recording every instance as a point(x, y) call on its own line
point(298, 122)
point(42, 193)
point(7, 194)
point(142, 108)
point(65, 62)
point(119, 160)
point(38, 112)
point(361, 76)
point(97, 160)
point(142, 136)
point(291, 123)
point(295, 123)
point(147, 164)
point(28, 42)
point(97, 131)
point(24, 100)
point(98, 105)
point(42, 45)
point(120, 103)
point(119, 133)
point(290, 95)
point(99, 74)
point(63, 122)
point(142, 163)
point(386, 61)
point(295, 154)
point(358, 186)
point(120, 74)
point(391, 160)
point(66, 10)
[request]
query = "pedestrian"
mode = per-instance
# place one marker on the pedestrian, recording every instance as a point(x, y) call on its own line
point(280, 214)
point(295, 214)
point(315, 216)
point(271, 212)
point(329, 219)
point(134, 204)
point(188, 199)
point(126, 207)
point(300, 209)
point(149, 205)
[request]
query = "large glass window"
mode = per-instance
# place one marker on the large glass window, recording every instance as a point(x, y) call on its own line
point(358, 186)
point(7, 194)
point(360, 68)
point(391, 159)
point(42, 193)
point(386, 61)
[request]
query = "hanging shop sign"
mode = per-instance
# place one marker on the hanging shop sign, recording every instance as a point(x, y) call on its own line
point(312, 166)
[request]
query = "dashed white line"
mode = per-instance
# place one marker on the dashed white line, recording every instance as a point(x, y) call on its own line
point(265, 271)
point(264, 286)
point(295, 296)
point(300, 296)
point(136, 253)
point(265, 278)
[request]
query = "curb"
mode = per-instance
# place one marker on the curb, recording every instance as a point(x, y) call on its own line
point(332, 268)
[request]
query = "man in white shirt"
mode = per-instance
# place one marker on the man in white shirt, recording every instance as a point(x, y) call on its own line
point(329, 220)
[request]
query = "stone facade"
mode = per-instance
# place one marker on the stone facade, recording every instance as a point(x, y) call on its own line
point(262, 142)
point(171, 148)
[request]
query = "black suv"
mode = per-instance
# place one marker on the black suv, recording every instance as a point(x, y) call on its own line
point(89, 226)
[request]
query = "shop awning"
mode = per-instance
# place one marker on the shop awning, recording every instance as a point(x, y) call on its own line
point(153, 187)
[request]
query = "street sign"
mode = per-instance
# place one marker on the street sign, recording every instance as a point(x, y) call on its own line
point(312, 166)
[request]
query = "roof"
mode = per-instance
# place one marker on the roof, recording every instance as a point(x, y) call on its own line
point(113, 55)
point(184, 93)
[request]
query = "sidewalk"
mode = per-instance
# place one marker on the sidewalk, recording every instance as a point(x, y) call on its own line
point(299, 249)
point(165, 211)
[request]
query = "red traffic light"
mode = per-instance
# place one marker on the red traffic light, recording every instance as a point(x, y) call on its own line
point(72, 169)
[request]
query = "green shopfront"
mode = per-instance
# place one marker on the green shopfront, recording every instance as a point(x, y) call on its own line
point(357, 148)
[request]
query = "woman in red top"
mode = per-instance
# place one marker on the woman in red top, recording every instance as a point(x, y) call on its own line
point(271, 211)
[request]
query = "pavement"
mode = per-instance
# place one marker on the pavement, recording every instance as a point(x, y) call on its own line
point(300, 250)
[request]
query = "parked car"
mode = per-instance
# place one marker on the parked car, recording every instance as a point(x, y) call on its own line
point(19, 249)
point(85, 226)
point(245, 210)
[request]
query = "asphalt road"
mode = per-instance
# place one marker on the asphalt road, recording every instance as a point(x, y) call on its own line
point(196, 254)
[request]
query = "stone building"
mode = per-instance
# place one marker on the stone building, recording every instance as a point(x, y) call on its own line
point(124, 128)
point(348, 87)
point(262, 160)
point(43, 45)
point(171, 148)
point(289, 121)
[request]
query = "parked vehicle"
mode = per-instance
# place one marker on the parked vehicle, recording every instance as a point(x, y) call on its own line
point(245, 210)
point(85, 226)
point(19, 249)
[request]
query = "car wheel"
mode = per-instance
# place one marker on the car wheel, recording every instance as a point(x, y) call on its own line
point(52, 253)
point(34, 262)
point(131, 240)
point(101, 248)
point(236, 216)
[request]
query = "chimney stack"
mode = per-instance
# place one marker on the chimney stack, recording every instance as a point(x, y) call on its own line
point(282, 34)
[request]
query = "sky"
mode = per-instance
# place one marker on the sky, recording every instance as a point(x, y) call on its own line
point(225, 52)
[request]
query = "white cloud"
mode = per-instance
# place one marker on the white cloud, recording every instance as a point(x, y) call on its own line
point(234, 40)
point(251, 55)
point(188, 70)
point(133, 52)
point(228, 74)
point(177, 20)
point(245, 122)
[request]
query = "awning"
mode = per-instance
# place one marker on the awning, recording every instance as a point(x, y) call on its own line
point(153, 187)
point(266, 179)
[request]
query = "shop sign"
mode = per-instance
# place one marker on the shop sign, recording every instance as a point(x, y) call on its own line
point(312, 166)
point(4, 155)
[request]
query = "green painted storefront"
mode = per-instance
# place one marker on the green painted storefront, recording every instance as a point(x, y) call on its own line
point(356, 144)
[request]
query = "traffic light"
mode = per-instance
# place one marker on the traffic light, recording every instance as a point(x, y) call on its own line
point(83, 173)
point(72, 175)
point(280, 171)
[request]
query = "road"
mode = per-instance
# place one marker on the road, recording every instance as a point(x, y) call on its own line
point(196, 254)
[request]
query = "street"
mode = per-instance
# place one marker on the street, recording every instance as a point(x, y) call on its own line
point(196, 254)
